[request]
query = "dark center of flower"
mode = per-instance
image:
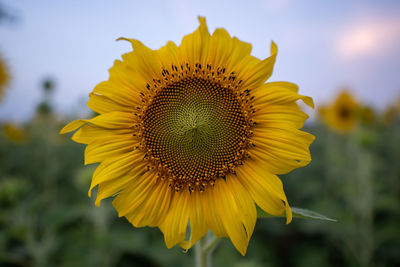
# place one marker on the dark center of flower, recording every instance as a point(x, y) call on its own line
point(195, 131)
point(344, 113)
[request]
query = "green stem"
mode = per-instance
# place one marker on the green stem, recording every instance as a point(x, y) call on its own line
point(211, 244)
point(201, 256)
point(204, 249)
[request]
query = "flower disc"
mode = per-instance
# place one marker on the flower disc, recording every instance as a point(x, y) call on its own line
point(196, 129)
point(4, 77)
point(341, 115)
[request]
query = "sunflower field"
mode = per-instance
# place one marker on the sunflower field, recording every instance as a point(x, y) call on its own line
point(190, 154)
point(47, 219)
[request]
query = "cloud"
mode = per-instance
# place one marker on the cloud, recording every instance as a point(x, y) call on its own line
point(368, 38)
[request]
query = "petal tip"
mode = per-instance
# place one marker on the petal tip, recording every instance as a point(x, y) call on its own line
point(242, 250)
point(203, 25)
point(134, 42)
point(97, 202)
point(289, 215)
point(202, 20)
point(274, 48)
point(122, 39)
point(62, 131)
point(309, 102)
point(72, 126)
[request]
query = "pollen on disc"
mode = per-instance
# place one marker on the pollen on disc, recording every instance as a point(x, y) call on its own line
point(195, 129)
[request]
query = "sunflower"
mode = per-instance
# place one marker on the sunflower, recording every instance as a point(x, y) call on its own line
point(192, 135)
point(342, 114)
point(14, 133)
point(4, 77)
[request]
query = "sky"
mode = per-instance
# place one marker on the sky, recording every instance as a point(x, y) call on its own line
point(324, 46)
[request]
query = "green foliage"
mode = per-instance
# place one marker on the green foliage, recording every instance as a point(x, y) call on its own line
point(47, 219)
point(297, 213)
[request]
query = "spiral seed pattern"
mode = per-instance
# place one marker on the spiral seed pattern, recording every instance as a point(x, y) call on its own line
point(196, 131)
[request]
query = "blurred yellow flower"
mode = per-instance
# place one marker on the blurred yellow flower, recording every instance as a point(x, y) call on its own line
point(4, 77)
point(342, 114)
point(192, 133)
point(321, 111)
point(391, 112)
point(14, 133)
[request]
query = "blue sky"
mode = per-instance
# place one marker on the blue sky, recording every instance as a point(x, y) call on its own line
point(323, 45)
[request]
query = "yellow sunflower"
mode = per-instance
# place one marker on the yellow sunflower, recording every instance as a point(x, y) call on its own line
point(14, 133)
point(342, 114)
point(193, 134)
point(4, 77)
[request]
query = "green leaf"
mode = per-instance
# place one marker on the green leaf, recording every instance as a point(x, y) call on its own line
point(297, 213)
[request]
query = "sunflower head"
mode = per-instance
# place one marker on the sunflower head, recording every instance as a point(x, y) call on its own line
point(342, 114)
point(193, 134)
point(14, 133)
point(4, 77)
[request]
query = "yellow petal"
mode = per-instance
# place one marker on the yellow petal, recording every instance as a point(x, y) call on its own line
point(245, 204)
point(154, 209)
point(257, 185)
point(122, 167)
point(145, 202)
point(240, 52)
point(281, 146)
point(232, 213)
point(198, 225)
point(143, 60)
point(176, 221)
point(264, 187)
point(89, 133)
point(212, 218)
point(157, 205)
point(123, 94)
point(255, 72)
point(278, 116)
point(194, 47)
point(282, 149)
point(102, 104)
point(111, 120)
point(134, 194)
point(114, 120)
point(220, 48)
point(274, 163)
point(103, 148)
point(170, 55)
point(110, 188)
point(72, 126)
point(279, 93)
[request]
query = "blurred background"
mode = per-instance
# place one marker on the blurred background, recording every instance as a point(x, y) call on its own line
point(345, 54)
